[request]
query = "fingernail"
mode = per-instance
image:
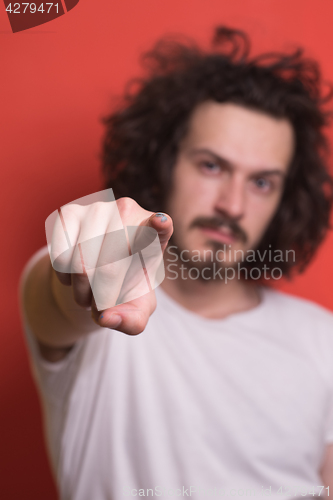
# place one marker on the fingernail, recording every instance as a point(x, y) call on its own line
point(163, 217)
point(114, 320)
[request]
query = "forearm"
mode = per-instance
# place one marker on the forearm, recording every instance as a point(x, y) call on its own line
point(55, 318)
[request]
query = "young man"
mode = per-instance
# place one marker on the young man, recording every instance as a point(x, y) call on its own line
point(228, 390)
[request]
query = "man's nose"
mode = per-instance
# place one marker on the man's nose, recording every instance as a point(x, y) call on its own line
point(231, 197)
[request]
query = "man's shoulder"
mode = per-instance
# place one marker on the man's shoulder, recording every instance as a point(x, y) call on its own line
point(301, 309)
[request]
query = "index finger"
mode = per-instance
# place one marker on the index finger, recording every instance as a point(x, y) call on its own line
point(162, 223)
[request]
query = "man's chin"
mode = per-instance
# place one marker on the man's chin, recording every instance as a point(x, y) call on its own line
point(208, 272)
point(223, 254)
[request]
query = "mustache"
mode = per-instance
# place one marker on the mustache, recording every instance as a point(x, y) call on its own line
point(218, 221)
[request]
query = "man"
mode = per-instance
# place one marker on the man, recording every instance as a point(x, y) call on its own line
point(228, 389)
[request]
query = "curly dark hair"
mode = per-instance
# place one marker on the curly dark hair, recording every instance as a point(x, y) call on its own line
point(143, 134)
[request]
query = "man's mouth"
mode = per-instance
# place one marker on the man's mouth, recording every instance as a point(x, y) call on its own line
point(222, 229)
point(222, 233)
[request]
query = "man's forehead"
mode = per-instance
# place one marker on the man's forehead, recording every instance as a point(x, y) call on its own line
point(241, 135)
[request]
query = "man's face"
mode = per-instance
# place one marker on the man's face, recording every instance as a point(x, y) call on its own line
point(228, 178)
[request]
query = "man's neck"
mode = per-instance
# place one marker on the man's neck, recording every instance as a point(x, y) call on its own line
point(215, 299)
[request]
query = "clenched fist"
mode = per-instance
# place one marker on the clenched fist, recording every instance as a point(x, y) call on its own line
point(111, 254)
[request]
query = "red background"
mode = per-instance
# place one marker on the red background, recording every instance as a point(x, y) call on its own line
point(57, 81)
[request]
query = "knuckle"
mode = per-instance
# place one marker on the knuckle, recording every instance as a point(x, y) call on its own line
point(96, 211)
point(72, 211)
point(97, 207)
point(126, 205)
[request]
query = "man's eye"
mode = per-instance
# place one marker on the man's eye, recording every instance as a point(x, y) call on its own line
point(211, 166)
point(262, 184)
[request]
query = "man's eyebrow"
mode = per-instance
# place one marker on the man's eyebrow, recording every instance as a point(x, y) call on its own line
point(220, 159)
point(224, 161)
point(275, 171)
